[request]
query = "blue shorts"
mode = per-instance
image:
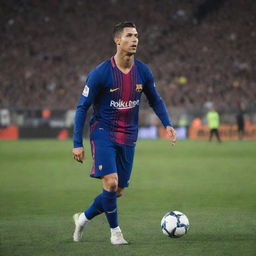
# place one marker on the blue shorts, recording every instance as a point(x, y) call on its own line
point(110, 157)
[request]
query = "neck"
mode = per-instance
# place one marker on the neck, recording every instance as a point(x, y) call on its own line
point(124, 61)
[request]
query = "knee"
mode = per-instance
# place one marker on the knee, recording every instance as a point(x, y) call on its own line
point(110, 184)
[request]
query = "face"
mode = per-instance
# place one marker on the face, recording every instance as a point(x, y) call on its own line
point(128, 40)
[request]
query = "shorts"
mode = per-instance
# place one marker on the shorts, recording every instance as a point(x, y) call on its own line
point(110, 157)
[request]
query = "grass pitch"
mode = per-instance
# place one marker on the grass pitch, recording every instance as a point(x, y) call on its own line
point(213, 184)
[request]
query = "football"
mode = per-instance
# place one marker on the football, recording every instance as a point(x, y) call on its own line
point(175, 224)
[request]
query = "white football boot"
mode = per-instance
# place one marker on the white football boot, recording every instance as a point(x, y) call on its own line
point(78, 233)
point(117, 237)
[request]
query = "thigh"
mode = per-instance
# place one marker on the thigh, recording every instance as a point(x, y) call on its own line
point(104, 157)
point(124, 161)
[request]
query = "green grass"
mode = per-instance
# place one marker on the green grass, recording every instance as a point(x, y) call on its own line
point(213, 184)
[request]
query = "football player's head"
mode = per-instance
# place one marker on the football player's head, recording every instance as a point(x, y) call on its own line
point(125, 36)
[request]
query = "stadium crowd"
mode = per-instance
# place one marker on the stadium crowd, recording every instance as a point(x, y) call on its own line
point(197, 54)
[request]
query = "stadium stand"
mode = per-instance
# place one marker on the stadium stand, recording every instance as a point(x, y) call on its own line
point(198, 51)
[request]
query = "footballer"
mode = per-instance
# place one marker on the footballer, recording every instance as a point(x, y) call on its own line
point(114, 89)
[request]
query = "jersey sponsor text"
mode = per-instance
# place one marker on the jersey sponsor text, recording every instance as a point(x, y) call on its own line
point(124, 104)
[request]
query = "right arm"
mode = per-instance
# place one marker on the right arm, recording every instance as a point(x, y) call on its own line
point(85, 101)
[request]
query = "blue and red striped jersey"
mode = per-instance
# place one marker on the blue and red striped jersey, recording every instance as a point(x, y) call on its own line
point(115, 97)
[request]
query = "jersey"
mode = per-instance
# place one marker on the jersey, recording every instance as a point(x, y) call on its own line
point(213, 119)
point(116, 97)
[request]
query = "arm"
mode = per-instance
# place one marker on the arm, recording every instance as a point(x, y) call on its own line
point(85, 101)
point(156, 102)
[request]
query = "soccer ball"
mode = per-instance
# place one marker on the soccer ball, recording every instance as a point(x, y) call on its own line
point(175, 224)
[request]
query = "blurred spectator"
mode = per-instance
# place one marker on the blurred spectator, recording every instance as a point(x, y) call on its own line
point(213, 120)
point(46, 113)
point(240, 124)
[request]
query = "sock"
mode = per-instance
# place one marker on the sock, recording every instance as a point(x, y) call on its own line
point(82, 219)
point(113, 230)
point(110, 207)
point(95, 208)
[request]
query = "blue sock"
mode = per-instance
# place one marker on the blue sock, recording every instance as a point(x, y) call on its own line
point(95, 208)
point(110, 207)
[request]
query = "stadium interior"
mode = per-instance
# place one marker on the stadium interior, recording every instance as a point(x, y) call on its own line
point(203, 56)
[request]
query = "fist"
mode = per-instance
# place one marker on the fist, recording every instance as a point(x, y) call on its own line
point(172, 134)
point(78, 154)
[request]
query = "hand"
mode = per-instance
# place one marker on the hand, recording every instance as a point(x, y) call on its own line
point(172, 134)
point(78, 154)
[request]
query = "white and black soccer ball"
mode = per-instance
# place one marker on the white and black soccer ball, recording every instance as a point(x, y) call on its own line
point(175, 224)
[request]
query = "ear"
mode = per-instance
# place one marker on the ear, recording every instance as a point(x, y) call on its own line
point(117, 40)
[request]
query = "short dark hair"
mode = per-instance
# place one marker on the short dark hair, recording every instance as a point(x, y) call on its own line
point(118, 28)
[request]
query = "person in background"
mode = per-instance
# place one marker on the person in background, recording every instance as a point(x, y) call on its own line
point(240, 124)
point(213, 120)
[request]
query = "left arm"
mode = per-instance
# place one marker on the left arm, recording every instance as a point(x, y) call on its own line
point(156, 102)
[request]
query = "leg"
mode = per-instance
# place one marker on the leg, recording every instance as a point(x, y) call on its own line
point(105, 202)
point(217, 135)
point(81, 219)
point(124, 161)
point(109, 184)
point(109, 196)
point(211, 134)
point(109, 202)
point(103, 154)
point(214, 133)
point(104, 167)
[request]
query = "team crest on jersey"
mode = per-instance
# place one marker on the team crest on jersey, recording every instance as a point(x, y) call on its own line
point(139, 87)
point(100, 167)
